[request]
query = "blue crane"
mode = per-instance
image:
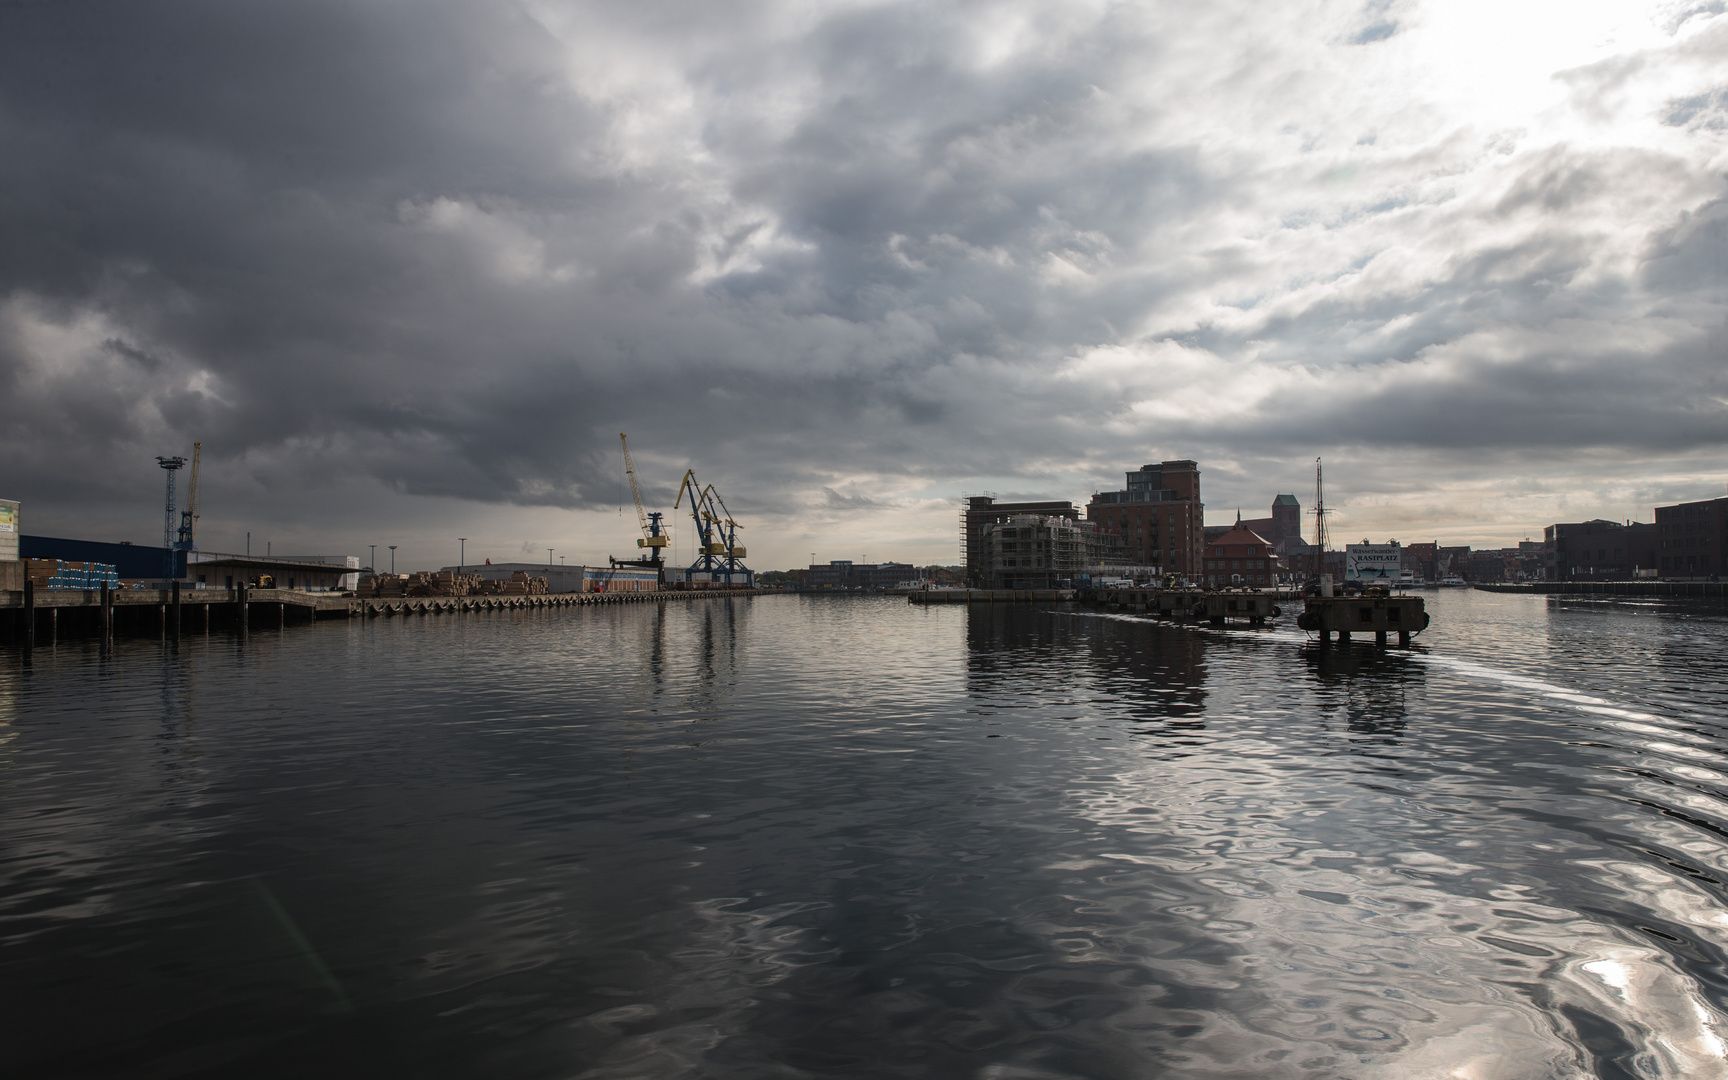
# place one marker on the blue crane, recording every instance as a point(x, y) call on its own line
point(719, 556)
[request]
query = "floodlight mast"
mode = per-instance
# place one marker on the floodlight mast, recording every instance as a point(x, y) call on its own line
point(169, 465)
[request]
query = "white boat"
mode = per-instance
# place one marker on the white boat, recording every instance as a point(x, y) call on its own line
point(1453, 581)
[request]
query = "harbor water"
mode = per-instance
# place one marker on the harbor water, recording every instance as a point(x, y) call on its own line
point(790, 837)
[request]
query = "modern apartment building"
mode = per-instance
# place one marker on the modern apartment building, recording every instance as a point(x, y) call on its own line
point(982, 511)
point(1692, 538)
point(1598, 550)
point(1042, 551)
point(1160, 516)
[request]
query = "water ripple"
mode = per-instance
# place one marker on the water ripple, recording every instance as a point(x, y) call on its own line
point(805, 836)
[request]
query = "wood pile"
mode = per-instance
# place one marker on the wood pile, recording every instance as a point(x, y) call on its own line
point(385, 586)
point(446, 583)
point(520, 584)
point(442, 583)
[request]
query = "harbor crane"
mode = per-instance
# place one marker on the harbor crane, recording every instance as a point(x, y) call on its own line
point(719, 556)
point(653, 537)
point(187, 539)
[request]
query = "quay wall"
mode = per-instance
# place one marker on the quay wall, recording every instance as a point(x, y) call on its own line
point(1611, 588)
point(39, 615)
point(989, 596)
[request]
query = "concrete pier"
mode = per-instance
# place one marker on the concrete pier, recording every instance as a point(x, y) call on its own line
point(1218, 607)
point(103, 612)
point(1676, 589)
point(1381, 616)
point(988, 596)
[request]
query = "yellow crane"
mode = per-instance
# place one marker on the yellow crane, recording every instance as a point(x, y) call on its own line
point(717, 550)
point(652, 537)
point(187, 538)
point(733, 548)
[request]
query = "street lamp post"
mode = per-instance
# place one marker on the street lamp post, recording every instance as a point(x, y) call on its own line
point(392, 558)
point(463, 557)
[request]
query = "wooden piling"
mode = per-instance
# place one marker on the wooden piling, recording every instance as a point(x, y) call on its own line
point(174, 593)
point(29, 614)
point(241, 605)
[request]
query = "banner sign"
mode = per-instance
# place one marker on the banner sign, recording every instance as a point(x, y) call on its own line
point(1372, 563)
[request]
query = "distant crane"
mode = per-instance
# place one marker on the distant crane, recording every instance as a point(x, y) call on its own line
point(187, 540)
point(170, 465)
point(718, 553)
point(653, 538)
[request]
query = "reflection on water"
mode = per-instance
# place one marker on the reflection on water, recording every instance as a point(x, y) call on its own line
point(800, 836)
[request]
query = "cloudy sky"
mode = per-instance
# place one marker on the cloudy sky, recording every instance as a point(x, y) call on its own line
point(407, 269)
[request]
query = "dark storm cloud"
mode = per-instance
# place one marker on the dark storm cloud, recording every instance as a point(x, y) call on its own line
point(827, 256)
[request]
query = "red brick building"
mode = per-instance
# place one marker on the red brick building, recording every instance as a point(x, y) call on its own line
point(1239, 557)
point(1284, 524)
point(1159, 515)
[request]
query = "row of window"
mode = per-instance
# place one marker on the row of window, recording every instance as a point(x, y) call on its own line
point(1695, 510)
point(1689, 527)
point(1686, 562)
point(1236, 564)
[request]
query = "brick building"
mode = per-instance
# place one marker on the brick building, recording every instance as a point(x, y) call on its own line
point(1159, 514)
point(1692, 538)
point(1239, 557)
point(1421, 560)
point(1284, 524)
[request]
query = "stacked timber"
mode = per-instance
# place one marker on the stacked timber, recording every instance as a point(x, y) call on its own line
point(382, 586)
point(427, 583)
point(441, 583)
point(520, 584)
